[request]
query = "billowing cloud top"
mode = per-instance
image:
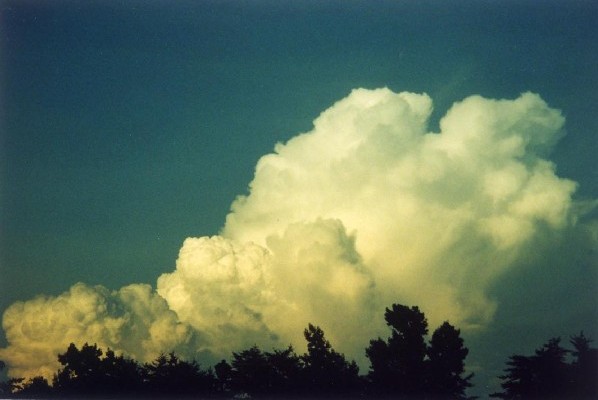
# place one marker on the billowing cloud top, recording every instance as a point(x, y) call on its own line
point(435, 215)
point(367, 209)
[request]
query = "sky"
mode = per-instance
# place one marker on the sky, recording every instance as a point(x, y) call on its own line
point(203, 176)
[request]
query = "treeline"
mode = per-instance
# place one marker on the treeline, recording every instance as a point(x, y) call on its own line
point(404, 365)
point(547, 374)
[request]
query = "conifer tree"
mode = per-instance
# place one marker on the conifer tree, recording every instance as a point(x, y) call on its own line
point(398, 364)
point(327, 372)
point(446, 364)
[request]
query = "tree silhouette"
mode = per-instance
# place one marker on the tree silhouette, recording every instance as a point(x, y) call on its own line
point(85, 371)
point(519, 381)
point(446, 364)
point(11, 387)
point(546, 374)
point(224, 377)
point(169, 376)
point(282, 373)
point(286, 368)
point(251, 372)
point(81, 372)
point(35, 388)
point(327, 372)
point(584, 368)
point(397, 365)
point(402, 366)
point(405, 366)
point(552, 373)
point(119, 375)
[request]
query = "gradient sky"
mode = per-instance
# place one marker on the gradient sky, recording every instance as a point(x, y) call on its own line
point(128, 126)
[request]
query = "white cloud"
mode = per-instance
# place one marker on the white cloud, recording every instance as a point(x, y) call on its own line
point(367, 209)
point(238, 296)
point(320, 278)
point(436, 215)
point(132, 320)
point(221, 289)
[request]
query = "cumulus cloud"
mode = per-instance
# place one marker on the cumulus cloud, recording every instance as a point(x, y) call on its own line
point(132, 320)
point(436, 216)
point(220, 288)
point(240, 295)
point(367, 209)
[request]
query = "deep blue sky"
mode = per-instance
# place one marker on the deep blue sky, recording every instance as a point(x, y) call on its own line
point(128, 126)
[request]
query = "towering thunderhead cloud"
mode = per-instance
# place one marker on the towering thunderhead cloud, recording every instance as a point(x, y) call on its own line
point(436, 216)
point(367, 209)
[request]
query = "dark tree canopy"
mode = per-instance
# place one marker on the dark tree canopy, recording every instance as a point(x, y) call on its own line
point(251, 372)
point(81, 369)
point(327, 372)
point(88, 372)
point(397, 364)
point(405, 366)
point(224, 377)
point(286, 368)
point(168, 375)
point(35, 388)
point(261, 374)
point(548, 375)
point(584, 368)
point(446, 363)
